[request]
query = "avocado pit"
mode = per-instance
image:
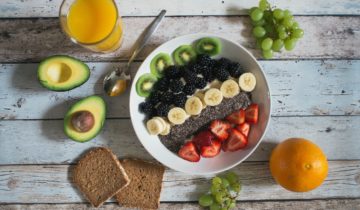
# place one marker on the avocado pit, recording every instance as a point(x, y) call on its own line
point(82, 121)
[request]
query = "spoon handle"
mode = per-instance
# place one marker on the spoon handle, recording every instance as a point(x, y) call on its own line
point(144, 37)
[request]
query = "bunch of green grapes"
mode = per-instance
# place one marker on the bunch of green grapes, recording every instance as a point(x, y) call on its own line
point(274, 29)
point(223, 192)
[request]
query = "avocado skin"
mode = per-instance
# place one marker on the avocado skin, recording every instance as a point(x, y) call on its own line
point(60, 88)
point(76, 136)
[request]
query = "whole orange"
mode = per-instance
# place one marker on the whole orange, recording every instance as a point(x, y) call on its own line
point(298, 165)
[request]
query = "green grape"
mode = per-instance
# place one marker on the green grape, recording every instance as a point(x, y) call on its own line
point(297, 33)
point(214, 189)
point(280, 28)
point(295, 25)
point(277, 45)
point(259, 32)
point(252, 9)
point(219, 198)
point(266, 44)
point(236, 187)
point(278, 14)
point(256, 15)
point(216, 180)
point(263, 5)
point(289, 44)
point(206, 200)
point(288, 22)
point(282, 34)
point(261, 22)
point(232, 177)
point(215, 206)
point(287, 13)
point(225, 183)
point(267, 54)
point(232, 204)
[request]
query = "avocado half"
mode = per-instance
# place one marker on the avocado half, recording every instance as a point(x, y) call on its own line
point(96, 106)
point(62, 72)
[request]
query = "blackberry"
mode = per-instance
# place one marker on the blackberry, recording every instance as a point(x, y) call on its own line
point(208, 76)
point(162, 110)
point(146, 107)
point(162, 84)
point(222, 63)
point(189, 89)
point(176, 86)
point(235, 70)
point(172, 72)
point(200, 83)
point(180, 100)
point(166, 97)
point(155, 97)
point(189, 76)
point(195, 67)
point(221, 74)
point(204, 60)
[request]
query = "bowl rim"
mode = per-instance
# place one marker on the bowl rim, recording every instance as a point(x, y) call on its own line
point(193, 172)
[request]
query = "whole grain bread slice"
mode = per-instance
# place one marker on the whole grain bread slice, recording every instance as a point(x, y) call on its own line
point(145, 184)
point(99, 175)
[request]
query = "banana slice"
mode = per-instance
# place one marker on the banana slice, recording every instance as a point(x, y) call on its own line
point(230, 88)
point(177, 115)
point(163, 122)
point(154, 126)
point(247, 82)
point(213, 97)
point(215, 84)
point(193, 105)
point(200, 95)
point(166, 131)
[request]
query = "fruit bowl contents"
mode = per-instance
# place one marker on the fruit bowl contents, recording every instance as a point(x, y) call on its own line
point(189, 103)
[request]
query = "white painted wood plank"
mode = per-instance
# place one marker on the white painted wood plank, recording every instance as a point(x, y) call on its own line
point(297, 87)
point(49, 8)
point(52, 184)
point(31, 40)
point(344, 204)
point(20, 141)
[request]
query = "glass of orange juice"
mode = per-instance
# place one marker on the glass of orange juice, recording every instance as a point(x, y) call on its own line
point(94, 24)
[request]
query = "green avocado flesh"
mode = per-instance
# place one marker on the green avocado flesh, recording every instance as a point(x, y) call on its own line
point(208, 45)
point(159, 63)
point(61, 73)
point(184, 54)
point(97, 107)
point(145, 84)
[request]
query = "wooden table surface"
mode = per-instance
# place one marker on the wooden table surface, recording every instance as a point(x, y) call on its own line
point(315, 93)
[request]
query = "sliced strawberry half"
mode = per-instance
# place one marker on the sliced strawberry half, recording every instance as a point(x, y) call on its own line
point(236, 141)
point(220, 129)
point(244, 128)
point(204, 138)
point(252, 114)
point(237, 117)
point(212, 150)
point(189, 152)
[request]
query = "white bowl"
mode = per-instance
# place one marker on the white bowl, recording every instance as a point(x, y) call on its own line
point(225, 160)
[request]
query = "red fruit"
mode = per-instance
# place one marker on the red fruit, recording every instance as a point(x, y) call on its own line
point(244, 128)
point(236, 141)
point(237, 117)
point(212, 150)
point(220, 129)
point(204, 138)
point(189, 152)
point(252, 114)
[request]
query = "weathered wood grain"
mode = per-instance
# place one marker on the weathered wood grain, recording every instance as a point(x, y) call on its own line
point(49, 8)
point(20, 141)
point(32, 40)
point(344, 204)
point(298, 88)
point(52, 184)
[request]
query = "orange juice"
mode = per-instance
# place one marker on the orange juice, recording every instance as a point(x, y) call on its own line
point(95, 23)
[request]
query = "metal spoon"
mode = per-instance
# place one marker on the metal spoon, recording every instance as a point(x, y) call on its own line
point(115, 83)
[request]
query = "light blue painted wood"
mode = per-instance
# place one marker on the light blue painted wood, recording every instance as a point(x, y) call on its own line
point(298, 88)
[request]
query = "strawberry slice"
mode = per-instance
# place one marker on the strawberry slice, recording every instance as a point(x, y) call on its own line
point(237, 117)
point(252, 114)
point(244, 128)
point(220, 129)
point(189, 153)
point(212, 150)
point(236, 141)
point(204, 138)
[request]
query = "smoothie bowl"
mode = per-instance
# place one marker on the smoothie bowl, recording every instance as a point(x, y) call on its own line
point(200, 104)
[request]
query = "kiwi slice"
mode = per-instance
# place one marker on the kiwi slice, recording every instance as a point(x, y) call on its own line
point(145, 84)
point(208, 45)
point(159, 63)
point(184, 54)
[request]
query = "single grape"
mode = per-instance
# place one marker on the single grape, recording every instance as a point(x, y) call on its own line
point(232, 177)
point(216, 180)
point(251, 10)
point(278, 14)
point(206, 200)
point(263, 5)
point(295, 25)
point(236, 187)
point(261, 22)
point(289, 44)
point(225, 183)
point(266, 44)
point(287, 13)
point(280, 28)
point(214, 189)
point(267, 54)
point(256, 15)
point(282, 34)
point(219, 198)
point(232, 204)
point(277, 45)
point(288, 22)
point(297, 33)
point(258, 31)
point(215, 206)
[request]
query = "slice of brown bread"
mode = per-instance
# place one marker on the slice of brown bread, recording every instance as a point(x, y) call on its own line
point(99, 175)
point(145, 184)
